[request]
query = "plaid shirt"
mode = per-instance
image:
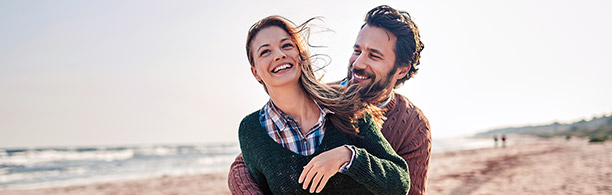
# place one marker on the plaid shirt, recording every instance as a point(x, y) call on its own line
point(286, 131)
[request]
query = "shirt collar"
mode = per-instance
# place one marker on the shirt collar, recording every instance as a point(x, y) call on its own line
point(384, 104)
point(280, 119)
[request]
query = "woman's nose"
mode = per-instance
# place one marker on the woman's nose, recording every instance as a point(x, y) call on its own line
point(280, 55)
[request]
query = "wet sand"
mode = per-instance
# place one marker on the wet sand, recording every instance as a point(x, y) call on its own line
point(191, 184)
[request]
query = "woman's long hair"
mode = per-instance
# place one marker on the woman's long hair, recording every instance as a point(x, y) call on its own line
point(346, 103)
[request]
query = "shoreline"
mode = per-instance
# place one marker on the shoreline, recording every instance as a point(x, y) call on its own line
point(528, 165)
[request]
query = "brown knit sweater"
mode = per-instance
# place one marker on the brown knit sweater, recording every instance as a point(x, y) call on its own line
point(406, 129)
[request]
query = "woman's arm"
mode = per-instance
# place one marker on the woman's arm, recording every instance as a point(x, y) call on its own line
point(322, 167)
point(375, 166)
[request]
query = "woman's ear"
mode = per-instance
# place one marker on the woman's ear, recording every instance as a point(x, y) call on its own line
point(255, 74)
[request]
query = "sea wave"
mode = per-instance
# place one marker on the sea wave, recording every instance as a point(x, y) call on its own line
point(42, 155)
point(31, 157)
point(37, 167)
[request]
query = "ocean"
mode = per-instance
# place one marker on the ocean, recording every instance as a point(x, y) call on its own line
point(63, 166)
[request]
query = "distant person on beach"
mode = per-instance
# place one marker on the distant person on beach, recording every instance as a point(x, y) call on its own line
point(495, 140)
point(388, 44)
point(309, 131)
point(503, 138)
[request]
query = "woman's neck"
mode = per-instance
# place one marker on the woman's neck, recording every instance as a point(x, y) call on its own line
point(296, 103)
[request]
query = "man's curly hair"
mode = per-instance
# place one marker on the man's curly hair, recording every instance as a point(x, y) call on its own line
point(408, 46)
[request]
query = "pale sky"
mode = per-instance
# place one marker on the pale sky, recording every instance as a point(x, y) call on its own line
point(135, 72)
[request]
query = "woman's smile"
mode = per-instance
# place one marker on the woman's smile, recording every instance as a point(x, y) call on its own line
point(282, 68)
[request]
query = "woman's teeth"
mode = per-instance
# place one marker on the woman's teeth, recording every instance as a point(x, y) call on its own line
point(282, 67)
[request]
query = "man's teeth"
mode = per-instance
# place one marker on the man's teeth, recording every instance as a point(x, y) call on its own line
point(360, 77)
point(282, 67)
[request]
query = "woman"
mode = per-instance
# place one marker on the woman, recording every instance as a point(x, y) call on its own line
point(308, 131)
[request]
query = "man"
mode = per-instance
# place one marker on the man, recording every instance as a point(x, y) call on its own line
point(386, 53)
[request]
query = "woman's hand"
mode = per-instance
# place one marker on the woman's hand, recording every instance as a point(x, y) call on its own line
point(324, 166)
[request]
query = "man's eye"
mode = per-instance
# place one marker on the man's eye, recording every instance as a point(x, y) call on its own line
point(356, 52)
point(375, 56)
point(264, 52)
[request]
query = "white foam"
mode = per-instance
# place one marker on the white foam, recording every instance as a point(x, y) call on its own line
point(34, 157)
point(50, 167)
point(215, 160)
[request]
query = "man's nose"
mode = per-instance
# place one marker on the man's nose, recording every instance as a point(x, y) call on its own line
point(280, 55)
point(359, 62)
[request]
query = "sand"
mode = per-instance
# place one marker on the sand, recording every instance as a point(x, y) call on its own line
point(191, 184)
point(528, 166)
point(525, 166)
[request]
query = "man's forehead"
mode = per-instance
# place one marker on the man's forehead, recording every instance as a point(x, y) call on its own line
point(375, 37)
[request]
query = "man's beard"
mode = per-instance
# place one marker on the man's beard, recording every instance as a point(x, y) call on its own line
point(377, 90)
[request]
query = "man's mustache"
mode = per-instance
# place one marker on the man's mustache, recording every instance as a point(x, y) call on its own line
point(363, 72)
point(376, 89)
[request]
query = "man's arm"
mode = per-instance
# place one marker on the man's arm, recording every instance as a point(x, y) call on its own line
point(408, 131)
point(239, 180)
point(417, 154)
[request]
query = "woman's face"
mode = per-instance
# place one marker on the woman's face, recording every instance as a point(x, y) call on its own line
point(275, 57)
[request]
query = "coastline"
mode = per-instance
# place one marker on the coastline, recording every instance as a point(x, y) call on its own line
point(528, 165)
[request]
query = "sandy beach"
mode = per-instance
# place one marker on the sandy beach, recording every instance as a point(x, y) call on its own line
point(526, 166)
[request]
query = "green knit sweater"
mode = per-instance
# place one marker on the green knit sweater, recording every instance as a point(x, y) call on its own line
point(376, 169)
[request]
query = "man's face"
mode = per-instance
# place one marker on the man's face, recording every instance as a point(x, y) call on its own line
point(372, 62)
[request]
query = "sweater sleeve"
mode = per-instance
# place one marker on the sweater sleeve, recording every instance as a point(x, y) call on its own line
point(376, 165)
point(417, 152)
point(239, 180)
point(408, 131)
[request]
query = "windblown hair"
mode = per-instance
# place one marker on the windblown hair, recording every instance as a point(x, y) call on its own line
point(344, 101)
point(408, 46)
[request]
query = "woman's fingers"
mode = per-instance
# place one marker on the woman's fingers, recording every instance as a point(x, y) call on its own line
point(321, 168)
point(309, 176)
point(323, 182)
point(315, 181)
point(305, 172)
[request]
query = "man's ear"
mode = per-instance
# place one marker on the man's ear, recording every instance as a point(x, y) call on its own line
point(255, 74)
point(401, 72)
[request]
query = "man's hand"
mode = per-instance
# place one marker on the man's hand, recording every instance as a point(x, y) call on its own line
point(324, 166)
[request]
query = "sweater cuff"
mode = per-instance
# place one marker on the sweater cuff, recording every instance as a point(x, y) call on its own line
point(348, 164)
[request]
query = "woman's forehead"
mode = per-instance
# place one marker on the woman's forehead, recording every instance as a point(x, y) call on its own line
point(269, 35)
